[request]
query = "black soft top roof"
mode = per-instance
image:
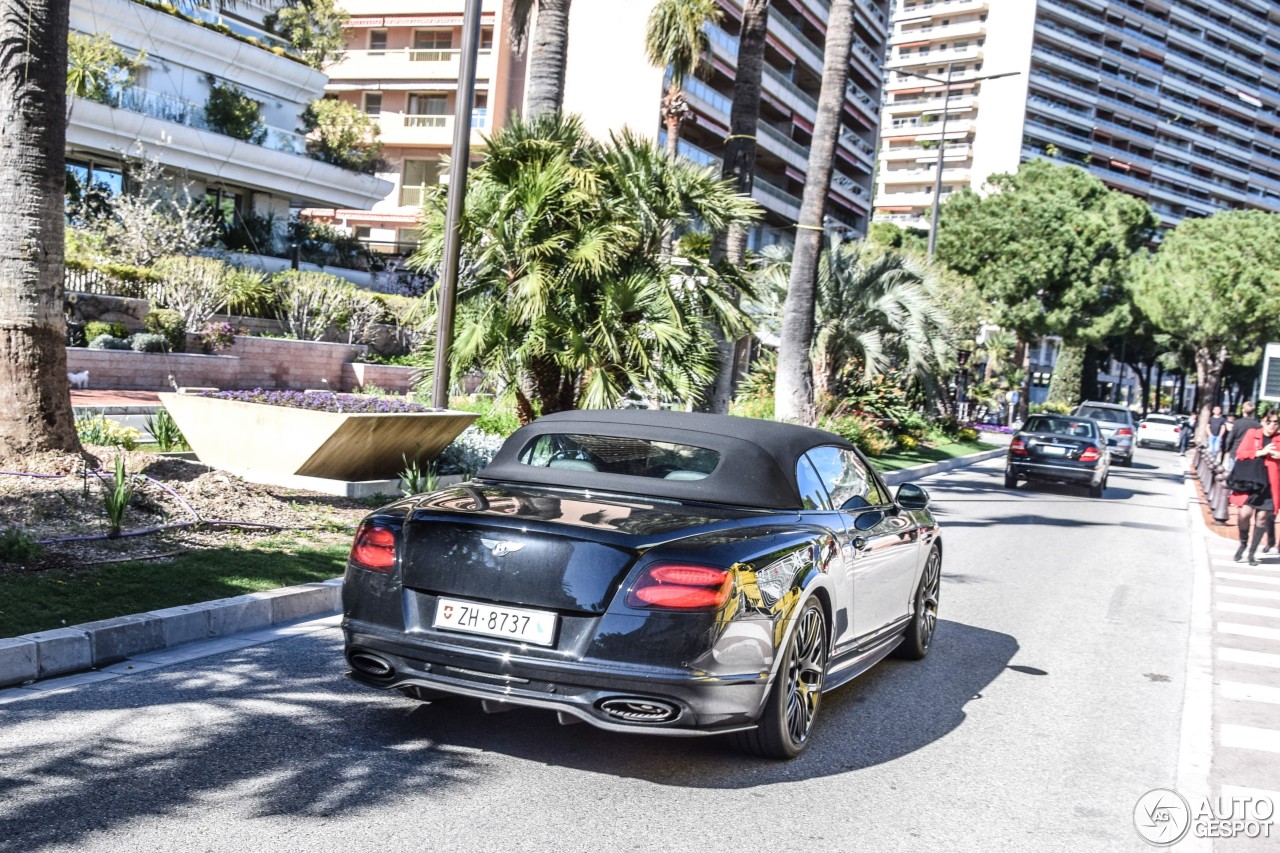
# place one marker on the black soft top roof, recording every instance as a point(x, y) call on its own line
point(757, 457)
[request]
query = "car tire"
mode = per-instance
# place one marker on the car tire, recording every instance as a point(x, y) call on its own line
point(1096, 491)
point(1010, 480)
point(785, 728)
point(1126, 461)
point(924, 620)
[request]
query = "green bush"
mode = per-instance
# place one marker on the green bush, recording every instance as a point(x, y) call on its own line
point(231, 112)
point(96, 429)
point(865, 433)
point(102, 342)
point(170, 325)
point(496, 418)
point(17, 545)
point(147, 342)
point(97, 328)
point(1049, 407)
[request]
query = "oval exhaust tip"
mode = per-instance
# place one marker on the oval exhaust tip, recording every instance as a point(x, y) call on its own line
point(633, 710)
point(370, 664)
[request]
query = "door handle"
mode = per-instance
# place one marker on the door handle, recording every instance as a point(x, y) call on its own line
point(859, 543)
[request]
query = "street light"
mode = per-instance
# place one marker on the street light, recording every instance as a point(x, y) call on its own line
point(942, 140)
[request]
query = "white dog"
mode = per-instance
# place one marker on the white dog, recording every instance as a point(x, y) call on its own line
point(79, 380)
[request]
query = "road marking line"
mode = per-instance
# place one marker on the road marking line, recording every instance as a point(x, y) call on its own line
point(1248, 593)
point(1253, 692)
point(1229, 655)
point(1232, 576)
point(1250, 737)
point(1251, 609)
point(1261, 567)
point(1248, 630)
point(1241, 793)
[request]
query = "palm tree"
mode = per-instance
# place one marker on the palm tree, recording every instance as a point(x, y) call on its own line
point(740, 167)
point(676, 39)
point(566, 297)
point(545, 80)
point(794, 400)
point(875, 308)
point(33, 360)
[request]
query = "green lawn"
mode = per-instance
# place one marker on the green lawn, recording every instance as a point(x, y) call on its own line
point(921, 455)
point(55, 599)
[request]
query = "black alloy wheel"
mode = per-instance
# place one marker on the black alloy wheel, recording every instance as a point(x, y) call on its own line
point(924, 621)
point(787, 722)
point(1010, 479)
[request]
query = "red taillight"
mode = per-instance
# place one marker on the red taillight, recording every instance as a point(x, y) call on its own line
point(1124, 431)
point(1017, 447)
point(1142, 426)
point(1177, 430)
point(1090, 454)
point(374, 548)
point(681, 587)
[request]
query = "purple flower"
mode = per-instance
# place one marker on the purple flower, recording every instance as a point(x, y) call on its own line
point(323, 401)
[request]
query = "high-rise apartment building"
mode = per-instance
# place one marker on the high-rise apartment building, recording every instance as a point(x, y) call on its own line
point(401, 65)
point(1177, 103)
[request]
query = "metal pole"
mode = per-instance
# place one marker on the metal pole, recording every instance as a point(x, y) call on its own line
point(937, 178)
point(461, 158)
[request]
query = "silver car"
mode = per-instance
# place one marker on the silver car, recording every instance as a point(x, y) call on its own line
point(1117, 427)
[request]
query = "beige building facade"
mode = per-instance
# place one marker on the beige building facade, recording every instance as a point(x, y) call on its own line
point(1174, 102)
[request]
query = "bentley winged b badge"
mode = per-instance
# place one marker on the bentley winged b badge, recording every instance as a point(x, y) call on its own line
point(503, 548)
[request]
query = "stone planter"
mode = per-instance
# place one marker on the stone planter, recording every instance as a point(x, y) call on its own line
point(333, 445)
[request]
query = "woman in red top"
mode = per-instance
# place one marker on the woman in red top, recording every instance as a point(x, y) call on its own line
point(1263, 443)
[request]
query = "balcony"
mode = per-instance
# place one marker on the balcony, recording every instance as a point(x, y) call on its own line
point(434, 129)
point(406, 64)
point(921, 153)
point(936, 32)
point(776, 199)
point(932, 57)
point(924, 176)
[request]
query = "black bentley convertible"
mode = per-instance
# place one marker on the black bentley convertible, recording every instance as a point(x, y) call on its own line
point(660, 572)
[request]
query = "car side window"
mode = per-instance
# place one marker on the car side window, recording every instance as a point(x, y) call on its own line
point(846, 478)
point(813, 495)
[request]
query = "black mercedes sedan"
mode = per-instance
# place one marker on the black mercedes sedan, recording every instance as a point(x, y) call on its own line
point(642, 571)
point(1059, 448)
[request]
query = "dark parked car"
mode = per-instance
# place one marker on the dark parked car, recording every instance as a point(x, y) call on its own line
point(1059, 448)
point(1117, 425)
point(660, 572)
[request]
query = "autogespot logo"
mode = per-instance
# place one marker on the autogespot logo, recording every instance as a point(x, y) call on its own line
point(1162, 817)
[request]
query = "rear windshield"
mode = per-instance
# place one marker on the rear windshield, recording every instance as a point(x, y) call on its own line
point(1061, 426)
point(1162, 419)
point(611, 454)
point(1115, 416)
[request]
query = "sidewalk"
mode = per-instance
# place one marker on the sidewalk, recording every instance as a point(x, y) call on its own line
point(1231, 709)
point(52, 660)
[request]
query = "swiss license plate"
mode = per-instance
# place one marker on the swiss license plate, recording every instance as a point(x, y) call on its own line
point(470, 617)
point(1052, 450)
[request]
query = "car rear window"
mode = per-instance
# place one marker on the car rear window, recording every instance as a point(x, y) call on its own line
point(1047, 425)
point(1162, 419)
point(612, 454)
point(1115, 416)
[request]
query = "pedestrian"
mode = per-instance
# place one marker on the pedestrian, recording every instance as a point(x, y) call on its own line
point(1216, 423)
point(1225, 437)
point(1242, 425)
point(1188, 430)
point(1255, 488)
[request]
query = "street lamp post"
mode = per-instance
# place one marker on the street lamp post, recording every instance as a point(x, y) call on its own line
point(942, 140)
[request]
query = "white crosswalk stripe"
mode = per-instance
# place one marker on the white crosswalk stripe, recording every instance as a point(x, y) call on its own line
point(1250, 609)
point(1249, 737)
point(1261, 567)
point(1248, 630)
point(1235, 576)
point(1246, 592)
point(1228, 655)
point(1250, 692)
point(1242, 793)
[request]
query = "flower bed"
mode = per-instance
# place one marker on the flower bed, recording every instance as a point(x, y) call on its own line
point(353, 404)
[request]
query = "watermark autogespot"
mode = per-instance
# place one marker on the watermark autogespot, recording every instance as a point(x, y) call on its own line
point(1163, 817)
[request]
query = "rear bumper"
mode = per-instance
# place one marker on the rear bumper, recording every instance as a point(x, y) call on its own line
point(1065, 472)
point(698, 704)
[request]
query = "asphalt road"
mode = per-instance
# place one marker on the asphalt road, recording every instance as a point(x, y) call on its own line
point(1050, 702)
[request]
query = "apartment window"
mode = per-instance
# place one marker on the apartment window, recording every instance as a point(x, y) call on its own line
point(373, 103)
point(432, 45)
point(363, 232)
point(377, 41)
point(227, 204)
point(417, 175)
point(428, 109)
point(486, 38)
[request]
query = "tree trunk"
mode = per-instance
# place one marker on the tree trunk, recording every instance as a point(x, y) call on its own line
point(1209, 367)
point(794, 395)
point(547, 58)
point(36, 415)
point(739, 167)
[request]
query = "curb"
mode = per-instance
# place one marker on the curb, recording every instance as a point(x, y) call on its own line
point(93, 645)
point(46, 654)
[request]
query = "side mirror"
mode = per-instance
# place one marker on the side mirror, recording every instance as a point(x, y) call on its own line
point(911, 496)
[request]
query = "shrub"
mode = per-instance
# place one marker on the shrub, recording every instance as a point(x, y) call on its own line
point(908, 442)
point(192, 286)
point(341, 133)
point(117, 496)
point(108, 342)
point(495, 417)
point(1050, 407)
point(164, 430)
point(96, 429)
point(231, 112)
point(145, 342)
point(97, 328)
point(968, 434)
point(17, 545)
point(469, 452)
point(217, 336)
point(862, 431)
point(170, 325)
